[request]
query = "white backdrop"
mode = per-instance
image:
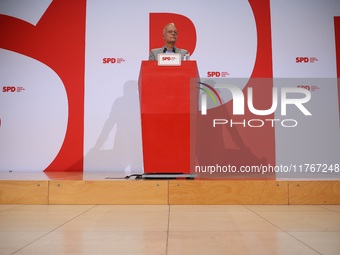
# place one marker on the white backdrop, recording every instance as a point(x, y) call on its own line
point(226, 42)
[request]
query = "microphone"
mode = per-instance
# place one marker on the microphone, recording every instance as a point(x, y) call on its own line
point(165, 49)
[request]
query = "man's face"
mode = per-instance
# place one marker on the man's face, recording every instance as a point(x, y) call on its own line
point(170, 35)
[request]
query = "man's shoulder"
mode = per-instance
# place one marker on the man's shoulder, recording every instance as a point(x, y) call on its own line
point(179, 50)
point(154, 53)
point(157, 50)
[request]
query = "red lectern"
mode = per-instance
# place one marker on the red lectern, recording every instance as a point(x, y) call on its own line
point(165, 113)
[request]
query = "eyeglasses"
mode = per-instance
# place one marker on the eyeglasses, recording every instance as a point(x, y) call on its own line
point(172, 31)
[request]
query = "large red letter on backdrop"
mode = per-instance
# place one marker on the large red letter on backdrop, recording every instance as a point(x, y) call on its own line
point(186, 30)
point(58, 41)
point(337, 52)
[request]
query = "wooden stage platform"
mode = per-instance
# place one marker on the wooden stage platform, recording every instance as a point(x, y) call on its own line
point(95, 188)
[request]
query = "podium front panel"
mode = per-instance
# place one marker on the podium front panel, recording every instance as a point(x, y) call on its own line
point(165, 114)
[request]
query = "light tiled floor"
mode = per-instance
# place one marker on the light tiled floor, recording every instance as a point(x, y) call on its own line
point(173, 230)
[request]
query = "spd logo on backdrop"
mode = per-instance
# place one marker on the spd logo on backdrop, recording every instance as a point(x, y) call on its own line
point(306, 60)
point(217, 74)
point(113, 60)
point(12, 89)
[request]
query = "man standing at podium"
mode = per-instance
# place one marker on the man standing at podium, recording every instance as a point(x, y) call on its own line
point(170, 37)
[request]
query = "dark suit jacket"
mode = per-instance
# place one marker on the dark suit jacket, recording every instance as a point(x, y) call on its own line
point(154, 52)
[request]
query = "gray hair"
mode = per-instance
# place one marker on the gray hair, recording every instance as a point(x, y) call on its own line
point(169, 24)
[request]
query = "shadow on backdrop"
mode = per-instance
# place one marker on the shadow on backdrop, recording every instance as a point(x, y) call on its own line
point(125, 156)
